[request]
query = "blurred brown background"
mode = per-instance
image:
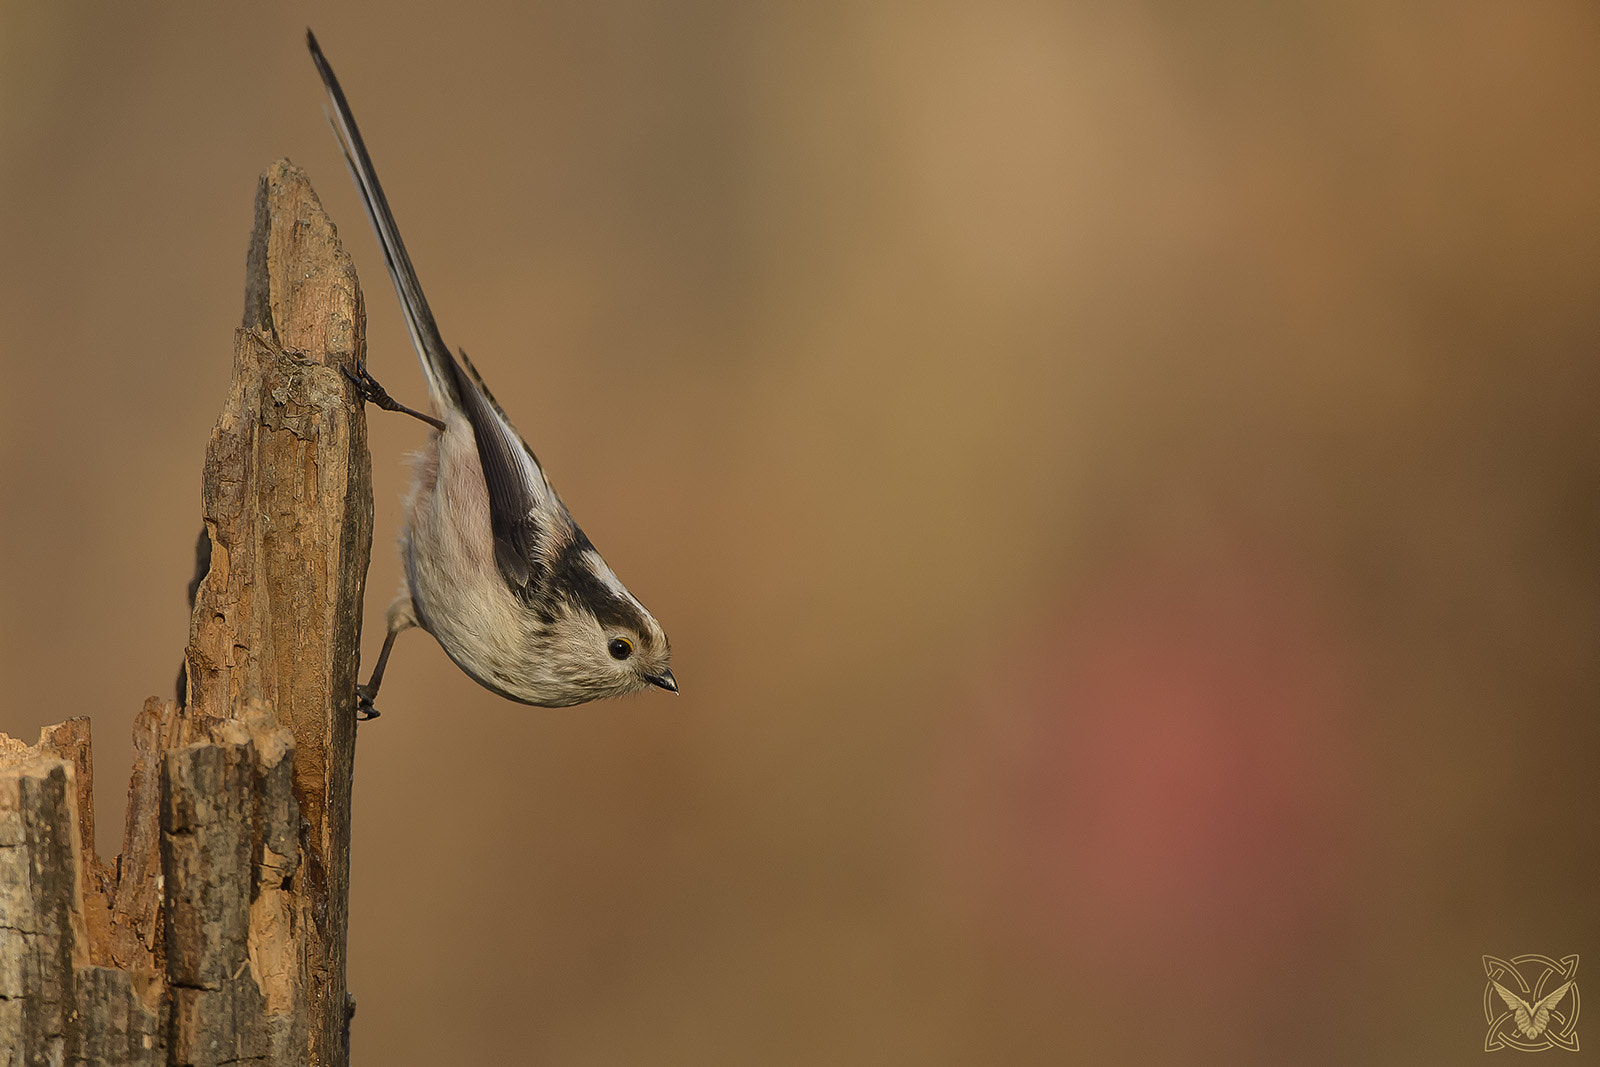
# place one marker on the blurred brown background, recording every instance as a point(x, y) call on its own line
point(1120, 481)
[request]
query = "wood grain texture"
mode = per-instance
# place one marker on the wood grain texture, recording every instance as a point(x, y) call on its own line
point(218, 935)
point(287, 501)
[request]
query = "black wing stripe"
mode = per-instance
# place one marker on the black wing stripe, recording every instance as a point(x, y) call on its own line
point(518, 492)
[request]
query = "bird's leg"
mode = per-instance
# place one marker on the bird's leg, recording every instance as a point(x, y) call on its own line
point(375, 394)
point(366, 694)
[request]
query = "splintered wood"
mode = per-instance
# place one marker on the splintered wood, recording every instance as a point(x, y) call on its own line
point(218, 934)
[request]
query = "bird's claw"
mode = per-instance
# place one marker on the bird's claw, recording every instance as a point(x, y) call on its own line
point(370, 392)
point(366, 384)
point(365, 712)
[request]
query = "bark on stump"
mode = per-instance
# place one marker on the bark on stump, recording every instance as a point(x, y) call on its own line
point(218, 934)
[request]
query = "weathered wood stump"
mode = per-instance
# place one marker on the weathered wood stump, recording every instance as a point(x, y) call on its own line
point(218, 934)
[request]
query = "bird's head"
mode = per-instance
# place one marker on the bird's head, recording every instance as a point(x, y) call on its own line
point(600, 641)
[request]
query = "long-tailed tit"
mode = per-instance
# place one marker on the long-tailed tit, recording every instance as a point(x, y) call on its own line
point(496, 568)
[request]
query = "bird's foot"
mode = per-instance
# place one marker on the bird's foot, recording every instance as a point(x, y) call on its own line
point(365, 712)
point(375, 394)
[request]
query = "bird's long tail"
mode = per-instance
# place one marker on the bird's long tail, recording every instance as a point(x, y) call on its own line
point(438, 365)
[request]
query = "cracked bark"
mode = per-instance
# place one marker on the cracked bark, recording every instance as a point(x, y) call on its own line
point(218, 934)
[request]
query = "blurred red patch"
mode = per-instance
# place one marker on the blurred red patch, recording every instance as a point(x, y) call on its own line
point(1163, 772)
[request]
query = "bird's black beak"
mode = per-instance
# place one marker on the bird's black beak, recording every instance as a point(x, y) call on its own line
point(665, 680)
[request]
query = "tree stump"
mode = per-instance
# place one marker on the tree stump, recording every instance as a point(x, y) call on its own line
point(218, 934)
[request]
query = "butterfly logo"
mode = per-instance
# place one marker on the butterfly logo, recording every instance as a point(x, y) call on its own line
point(1532, 1015)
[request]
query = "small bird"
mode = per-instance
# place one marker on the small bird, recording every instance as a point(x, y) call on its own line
point(1531, 1019)
point(495, 567)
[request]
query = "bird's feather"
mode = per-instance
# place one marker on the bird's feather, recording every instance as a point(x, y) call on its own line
point(1531, 1019)
point(437, 363)
point(1541, 1010)
point(1521, 1013)
point(524, 512)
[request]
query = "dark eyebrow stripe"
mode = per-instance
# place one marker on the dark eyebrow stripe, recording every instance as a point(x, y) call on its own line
point(572, 580)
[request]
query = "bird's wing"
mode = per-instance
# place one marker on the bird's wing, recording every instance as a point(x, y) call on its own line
point(525, 514)
point(1520, 1010)
point(523, 511)
point(1541, 1010)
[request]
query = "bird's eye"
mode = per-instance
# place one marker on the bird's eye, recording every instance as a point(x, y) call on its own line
point(620, 648)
